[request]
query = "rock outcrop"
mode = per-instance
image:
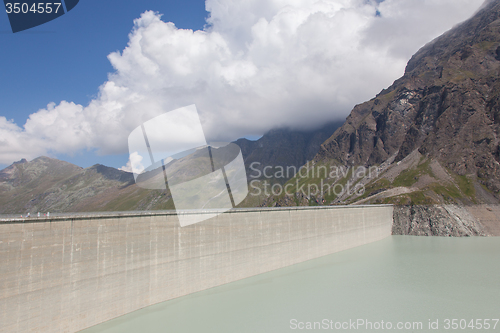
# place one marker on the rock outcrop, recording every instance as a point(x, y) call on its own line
point(436, 220)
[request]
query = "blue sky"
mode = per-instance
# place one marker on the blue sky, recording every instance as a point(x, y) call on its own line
point(75, 88)
point(66, 59)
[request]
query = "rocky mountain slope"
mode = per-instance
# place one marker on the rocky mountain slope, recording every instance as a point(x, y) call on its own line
point(49, 185)
point(433, 137)
point(444, 113)
point(430, 143)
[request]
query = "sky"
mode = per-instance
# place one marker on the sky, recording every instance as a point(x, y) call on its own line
point(76, 87)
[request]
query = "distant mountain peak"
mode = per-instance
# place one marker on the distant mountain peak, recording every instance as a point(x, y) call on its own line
point(21, 161)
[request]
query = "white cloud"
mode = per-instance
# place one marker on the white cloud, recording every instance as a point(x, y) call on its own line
point(134, 164)
point(259, 64)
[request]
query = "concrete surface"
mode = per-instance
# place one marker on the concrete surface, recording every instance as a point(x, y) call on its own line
point(65, 274)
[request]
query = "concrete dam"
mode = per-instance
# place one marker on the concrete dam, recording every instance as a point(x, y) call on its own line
point(64, 274)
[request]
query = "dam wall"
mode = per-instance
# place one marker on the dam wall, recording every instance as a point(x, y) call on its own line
point(64, 274)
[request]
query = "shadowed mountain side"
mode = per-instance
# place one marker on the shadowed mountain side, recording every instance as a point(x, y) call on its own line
point(285, 147)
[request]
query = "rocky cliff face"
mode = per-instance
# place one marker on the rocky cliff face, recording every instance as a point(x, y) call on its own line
point(446, 107)
point(436, 220)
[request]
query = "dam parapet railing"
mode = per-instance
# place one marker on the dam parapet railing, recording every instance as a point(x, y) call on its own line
point(64, 273)
point(16, 218)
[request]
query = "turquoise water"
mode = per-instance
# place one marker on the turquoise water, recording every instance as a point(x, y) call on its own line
point(401, 279)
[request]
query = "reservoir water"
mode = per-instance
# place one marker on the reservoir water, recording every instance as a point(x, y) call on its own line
point(409, 283)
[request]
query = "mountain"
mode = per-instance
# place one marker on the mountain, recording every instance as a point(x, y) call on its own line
point(279, 149)
point(284, 147)
point(433, 136)
point(50, 185)
point(429, 143)
point(441, 119)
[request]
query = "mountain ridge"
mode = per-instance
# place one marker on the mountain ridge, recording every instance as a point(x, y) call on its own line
point(47, 184)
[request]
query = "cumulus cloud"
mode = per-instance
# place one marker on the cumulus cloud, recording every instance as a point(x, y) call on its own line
point(134, 164)
point(259, 64)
